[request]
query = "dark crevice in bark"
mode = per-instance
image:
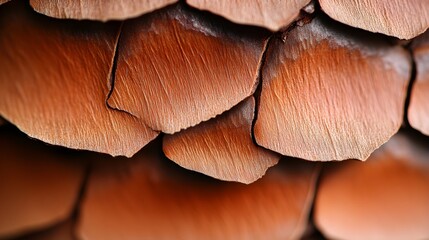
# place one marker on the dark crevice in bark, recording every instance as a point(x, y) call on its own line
point(301, 20)
point(113, 74)
point(112, 79)
point(406, 123)
point(39, 233)
point(258, 89)
point(312, 233)
point(72, 218)
point(78, 203)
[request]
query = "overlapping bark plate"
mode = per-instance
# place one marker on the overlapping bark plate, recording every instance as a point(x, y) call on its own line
point(164, 119)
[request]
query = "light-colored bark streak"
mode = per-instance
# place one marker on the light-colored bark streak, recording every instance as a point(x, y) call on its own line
point(103, 10)
point(271, 14)
point(401, 19)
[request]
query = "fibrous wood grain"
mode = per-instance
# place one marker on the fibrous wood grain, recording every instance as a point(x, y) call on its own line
point(38, 183)
point(102, 10)
point(384, 198)
point(398, 18)
point(177, 68)
point(330, 94)
point(149, 197)
point(272, 14)
point(54, 87)
point(222, 147)
point(418, 111)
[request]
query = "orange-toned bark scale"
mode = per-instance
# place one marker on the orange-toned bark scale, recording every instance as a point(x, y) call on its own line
point(54, 87)
point(103, 10)
point(38, 183)
point(149, 197)
point(330, 94)
point(402, 19)
point(177, 68)
point(384, 198)
point(418, 111)
point(222, 147)
point(273, 14)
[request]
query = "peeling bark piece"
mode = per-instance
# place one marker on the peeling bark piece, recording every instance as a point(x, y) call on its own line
point(102, 10)
point(272, 14)
point(331, 94)
point(149, 197)
point(384, 198)
point(62, 231)
point(177, 68)
point(222, 147)
point(418, 111)
point(38, 185)
point(398, 18)
point(54, 87)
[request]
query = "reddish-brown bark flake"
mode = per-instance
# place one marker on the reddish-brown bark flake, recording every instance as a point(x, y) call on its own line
point(54, 86)
point(222, 147)
point(331, 94)
point(177, 68)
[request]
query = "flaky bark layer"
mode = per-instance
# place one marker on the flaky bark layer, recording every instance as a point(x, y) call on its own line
point(273, 14)
point(222, 147)
point(102, 10)
point(54, 81)
point(177, 68)
point(331, 94)
point(401, 19)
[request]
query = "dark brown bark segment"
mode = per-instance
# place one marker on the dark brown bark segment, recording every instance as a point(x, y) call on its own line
point(39, 184)
point(149, 197)
point(61, 231)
